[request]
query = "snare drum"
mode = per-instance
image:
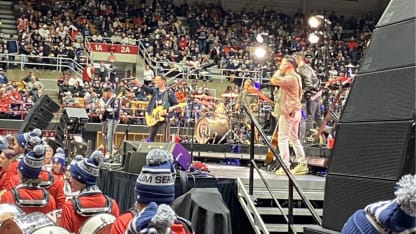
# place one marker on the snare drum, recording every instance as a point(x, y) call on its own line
point(98, 224)
point(8, 211)
point(34, 223)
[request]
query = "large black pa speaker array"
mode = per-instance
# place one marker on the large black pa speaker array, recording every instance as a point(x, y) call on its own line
point(375, 140)
point(40, 114)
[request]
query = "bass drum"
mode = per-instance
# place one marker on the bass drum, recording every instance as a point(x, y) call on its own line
point(33, 223)
point(8, 211)
point(208, 129)
point(98, 224)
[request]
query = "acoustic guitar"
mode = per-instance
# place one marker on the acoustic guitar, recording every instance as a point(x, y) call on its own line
point(153, 118)
point(269, 155)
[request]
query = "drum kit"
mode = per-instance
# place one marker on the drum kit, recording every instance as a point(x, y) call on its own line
point(223, 121)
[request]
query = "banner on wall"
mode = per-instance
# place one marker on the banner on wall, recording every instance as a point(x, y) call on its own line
point(114, 48)
point(45, 133)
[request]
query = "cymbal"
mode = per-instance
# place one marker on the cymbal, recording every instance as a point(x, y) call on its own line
point(229, 95)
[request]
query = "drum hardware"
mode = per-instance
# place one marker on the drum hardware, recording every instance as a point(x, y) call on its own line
point(55, 215)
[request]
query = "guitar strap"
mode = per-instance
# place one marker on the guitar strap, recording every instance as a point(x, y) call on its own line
point(165, 99)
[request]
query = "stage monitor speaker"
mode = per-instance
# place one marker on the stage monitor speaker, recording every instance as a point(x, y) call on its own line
point(128, 146)
point(346, 194)
point(134, 162)
point(390, 47)
point(75, 113)
point(379, 96)
point(397, 11)
point(182, 158)
point(379, 150)
point(40, 114)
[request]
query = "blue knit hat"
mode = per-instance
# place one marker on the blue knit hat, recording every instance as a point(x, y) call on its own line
point(393, 216)
point(59, 156)
point(152, 219)
point(31, 164)
point(87, 170)
point(23, 138)
point(155, 182)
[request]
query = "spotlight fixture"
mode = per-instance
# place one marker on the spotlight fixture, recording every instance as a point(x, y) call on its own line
point(314, 22)
point(259, 38)
point(260, 52)
point(313, 38)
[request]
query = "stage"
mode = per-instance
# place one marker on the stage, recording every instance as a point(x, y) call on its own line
point(120, 186)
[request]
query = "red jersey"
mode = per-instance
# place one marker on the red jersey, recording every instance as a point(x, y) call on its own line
point(72, 221)
point(6, 181)
point(12, 168)
point(55, 187)
point(59, 176)
point(121, 223)
point(26, 193)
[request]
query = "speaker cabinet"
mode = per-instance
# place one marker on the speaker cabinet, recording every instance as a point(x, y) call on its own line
point(373, 149)
point(379, 96)
point(345, 194)
point(375, 139)
point(391, 47)
point(40, 114)
point(134, 162)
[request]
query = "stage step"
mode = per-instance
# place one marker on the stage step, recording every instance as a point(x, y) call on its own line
point(296, 211)
point(267, 211)
point(283, 228)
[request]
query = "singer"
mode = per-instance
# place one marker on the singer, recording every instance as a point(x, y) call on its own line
point(290, 84)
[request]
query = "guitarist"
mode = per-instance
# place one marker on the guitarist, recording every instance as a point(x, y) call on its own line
point(161, 96)
point(110, 106)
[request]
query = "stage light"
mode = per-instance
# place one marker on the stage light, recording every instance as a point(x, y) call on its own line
point(259, 38)
point(314, 22)
point(260, 52)
point(313, 38)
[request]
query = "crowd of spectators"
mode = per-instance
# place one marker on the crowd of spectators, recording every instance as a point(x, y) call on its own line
point(18, 97)
point(191, 36)
point(183, 34)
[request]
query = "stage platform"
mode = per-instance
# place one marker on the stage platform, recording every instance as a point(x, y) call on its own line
point(312, 185)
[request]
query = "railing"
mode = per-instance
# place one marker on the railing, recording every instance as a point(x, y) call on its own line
point(254, 125)
point(251, 212)
point(58, 63)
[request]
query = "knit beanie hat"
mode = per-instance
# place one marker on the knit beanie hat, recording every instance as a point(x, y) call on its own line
point(59, 156)
point(153, 219)
point(32, 163)
point(393, 216)
point(33, 141)
point(23, 138)
point(87, 170)
point(9, 153)
point(155, 182)
point(4, 143)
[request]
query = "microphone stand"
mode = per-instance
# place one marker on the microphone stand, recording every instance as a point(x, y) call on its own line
point(193, 126)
